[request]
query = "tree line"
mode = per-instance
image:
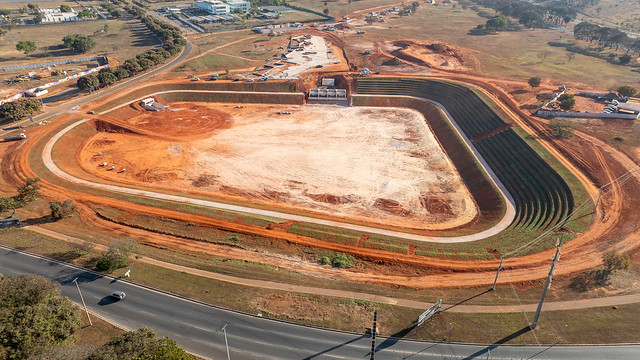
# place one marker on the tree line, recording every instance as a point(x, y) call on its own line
point(173, 44)
point(606, 36)
point(528, 14)
point(37, 322)
point(16, 110)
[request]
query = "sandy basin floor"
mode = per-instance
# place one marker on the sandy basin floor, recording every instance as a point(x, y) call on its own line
point(378, 165)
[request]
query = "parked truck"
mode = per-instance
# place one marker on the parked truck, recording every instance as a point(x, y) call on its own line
point(21, 136)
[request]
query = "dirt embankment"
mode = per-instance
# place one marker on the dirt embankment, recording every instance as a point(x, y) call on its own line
point(436, 55)
point(615, 226)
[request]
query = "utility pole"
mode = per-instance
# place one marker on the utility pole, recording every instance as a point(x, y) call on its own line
point(224, 329)
point(374, 330)
point(83, 304)
point(498, 273)
point(595, 208)
point(547, 285)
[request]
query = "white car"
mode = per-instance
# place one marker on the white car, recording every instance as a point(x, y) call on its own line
point(118, 295)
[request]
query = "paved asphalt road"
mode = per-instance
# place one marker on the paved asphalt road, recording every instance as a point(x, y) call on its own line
point(197, 327)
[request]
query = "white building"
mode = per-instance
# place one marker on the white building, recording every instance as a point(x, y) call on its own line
point(55, 15)
point(214, 7)
point(244, 6)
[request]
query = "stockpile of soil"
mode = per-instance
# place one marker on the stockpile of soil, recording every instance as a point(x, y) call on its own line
point(431, 54)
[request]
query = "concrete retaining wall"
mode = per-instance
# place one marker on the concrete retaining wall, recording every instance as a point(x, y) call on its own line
point(546, 113)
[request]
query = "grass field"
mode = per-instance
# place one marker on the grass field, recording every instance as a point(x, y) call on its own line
point(340, 8)
point(514, 55)
point(214, 63)
point(231, 50)
point(622, 14)
point(123, 40)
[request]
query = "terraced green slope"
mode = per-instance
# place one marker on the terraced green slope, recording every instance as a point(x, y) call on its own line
point(542, 197)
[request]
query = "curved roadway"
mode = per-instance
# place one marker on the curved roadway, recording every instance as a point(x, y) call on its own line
point(196, 327)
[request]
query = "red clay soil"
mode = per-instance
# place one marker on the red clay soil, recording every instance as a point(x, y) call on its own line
point(594, 162)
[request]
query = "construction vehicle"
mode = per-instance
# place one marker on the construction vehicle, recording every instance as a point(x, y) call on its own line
point(21, 136)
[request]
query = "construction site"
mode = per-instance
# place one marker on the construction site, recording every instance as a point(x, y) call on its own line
point(319, 159)
point(430, 177)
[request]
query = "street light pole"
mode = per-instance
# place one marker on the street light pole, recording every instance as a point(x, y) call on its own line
point(83, 304)
point(224, 329)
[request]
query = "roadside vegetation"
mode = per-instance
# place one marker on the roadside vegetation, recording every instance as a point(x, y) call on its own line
point(583, 325)
point(17, 110)
point(37, 322)
point(26, 194)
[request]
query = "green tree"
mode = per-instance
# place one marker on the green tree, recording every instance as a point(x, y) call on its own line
point(498, 22)
point(624, 59)
point(116, 13)
point(26, 46)
point(34, 316)
point(82, 43)
point(145, 64)
point(26, 194)
point(65, 8)
point(566, 101)
point(342, 260)
point(530, 18)
point(325, 11)
point(38, 18)
point(16, 110)
point(29, 191)
point(107, 78)
point(105, 28)
point(116, 257)
point(88, 82)
point(614, 261)
point(67, 40)
point(534, 81)
point(132, 66)
point(62, 210)
point(9, 203)
point(34, 7)
point(141, 344)
point(627, 91)
point(121, 73)
point(5, 12)
point(86, 13)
